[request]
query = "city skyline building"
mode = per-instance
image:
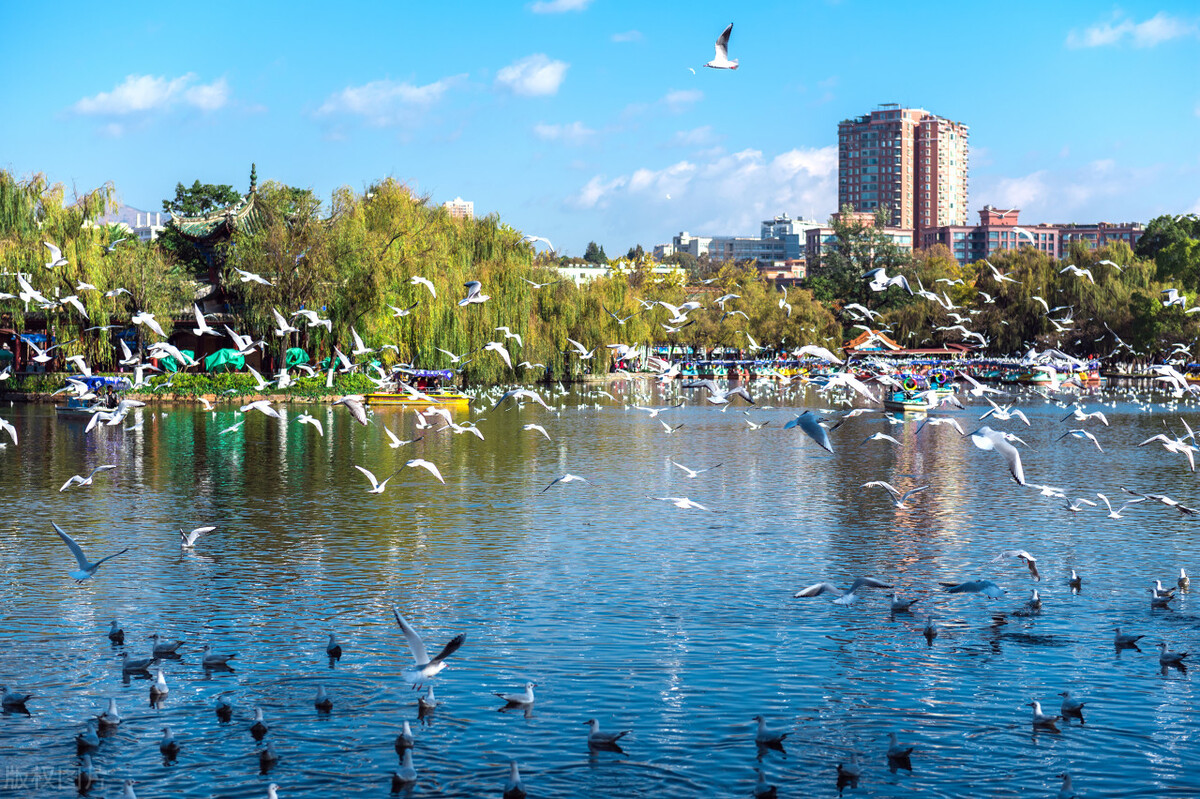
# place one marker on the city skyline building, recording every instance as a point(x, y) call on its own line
point(908, 161)
point(460, 208)
point(999, 229)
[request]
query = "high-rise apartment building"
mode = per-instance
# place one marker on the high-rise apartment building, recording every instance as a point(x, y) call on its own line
point(905, 160)
point(460, 208)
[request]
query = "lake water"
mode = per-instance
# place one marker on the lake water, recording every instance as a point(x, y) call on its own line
point(678, 625)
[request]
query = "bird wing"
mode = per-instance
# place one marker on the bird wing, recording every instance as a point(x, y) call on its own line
point(809, 424)
point(869, 582)
point(103, 468)
point(910, 492)
point(723, 43)
point(415, 644)
point(75, 550)
point(891, 489)
point(429, 466)
point(370, 476)
point(450, 648)
point(817, 589)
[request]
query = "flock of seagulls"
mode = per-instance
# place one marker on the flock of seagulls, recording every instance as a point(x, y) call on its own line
point(835, 387)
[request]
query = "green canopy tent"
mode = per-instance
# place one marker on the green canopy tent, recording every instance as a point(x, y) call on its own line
point(226, 360)
point(171, 365)
point(294, 356)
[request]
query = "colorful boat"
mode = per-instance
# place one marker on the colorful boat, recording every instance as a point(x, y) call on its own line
point(904, 401)
point(430, 385)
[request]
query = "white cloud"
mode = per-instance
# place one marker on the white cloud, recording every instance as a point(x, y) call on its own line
point(210, 97)
point(696, 137)
point(386, 102)
point(558, 6)
point(1021, 192)
point(678, 100)
point(145, 93)
point(627, 36)
point(1162, 27)
point(730, 193)
point(573, 133)
point(1095, 189)
point(533, 76)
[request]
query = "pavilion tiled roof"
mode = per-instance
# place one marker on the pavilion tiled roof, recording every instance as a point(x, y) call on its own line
point(243, 215)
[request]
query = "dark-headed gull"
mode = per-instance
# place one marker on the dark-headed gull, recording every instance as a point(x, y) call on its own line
point(603, 740)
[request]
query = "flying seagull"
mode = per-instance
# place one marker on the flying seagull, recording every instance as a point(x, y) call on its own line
point(86, 569)
point(417, 280)
point(898, 499)
point(566, 478)
point(1024, 557)
point(85, 481)
point(188, 540)
point(988, 439)
point(810, 423)
point(425, 667)
point(474, 295)
point(846, 597)
point(721, 57)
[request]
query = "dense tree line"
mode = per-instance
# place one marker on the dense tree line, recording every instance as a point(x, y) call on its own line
point(354, 258)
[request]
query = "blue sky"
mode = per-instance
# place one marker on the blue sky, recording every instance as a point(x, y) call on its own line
point(580, 119)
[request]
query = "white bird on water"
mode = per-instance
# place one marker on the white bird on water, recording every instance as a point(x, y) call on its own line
point(847, 597)
point(519, 700)
point(86, 568)
point(1041, 719)
point(305, 418)
point(601, 740)
point(425, 667)
point(765, 736)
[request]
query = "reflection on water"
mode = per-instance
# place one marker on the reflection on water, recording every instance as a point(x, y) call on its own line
point(677, 625)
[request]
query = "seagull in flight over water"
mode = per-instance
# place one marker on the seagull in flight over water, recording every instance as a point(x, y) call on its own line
point(425, 667)
point(86, 481)
point(846, 597)
point(86, 569)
